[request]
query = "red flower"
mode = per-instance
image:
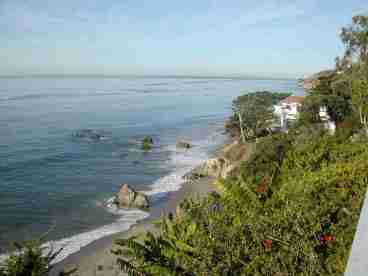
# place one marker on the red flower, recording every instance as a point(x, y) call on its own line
point(267, 244)
point(327, 238)
point(263, 187)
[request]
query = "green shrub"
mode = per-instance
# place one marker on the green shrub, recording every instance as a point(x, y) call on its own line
point(304, 226)
point(349, 126)
point(30, 259)
point(265, 163)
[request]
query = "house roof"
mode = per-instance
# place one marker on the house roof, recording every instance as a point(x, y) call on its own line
point(293, 99)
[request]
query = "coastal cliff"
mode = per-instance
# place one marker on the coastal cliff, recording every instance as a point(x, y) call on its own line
point(312, 82)
point(225, 162)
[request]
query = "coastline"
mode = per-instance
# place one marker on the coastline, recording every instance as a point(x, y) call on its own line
point(96, 258)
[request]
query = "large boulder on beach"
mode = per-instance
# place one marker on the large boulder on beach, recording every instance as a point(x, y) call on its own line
point(183, 145)
point(127, 197)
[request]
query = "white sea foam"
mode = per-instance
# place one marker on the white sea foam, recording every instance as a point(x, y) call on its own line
point(75, 243)
point(181, 162)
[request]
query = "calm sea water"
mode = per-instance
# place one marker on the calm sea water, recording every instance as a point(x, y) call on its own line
point(50, 179)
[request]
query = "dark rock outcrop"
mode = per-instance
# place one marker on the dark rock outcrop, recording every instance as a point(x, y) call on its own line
point(90, 134)
point(147, 143)
point(127, 197)
point(148, 139)
point(183, 145)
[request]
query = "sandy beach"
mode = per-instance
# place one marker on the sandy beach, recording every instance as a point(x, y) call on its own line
point(96, 258)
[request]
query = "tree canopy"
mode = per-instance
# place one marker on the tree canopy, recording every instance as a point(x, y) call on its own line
point(342, 92)
point(355, 38)
point(254, 111)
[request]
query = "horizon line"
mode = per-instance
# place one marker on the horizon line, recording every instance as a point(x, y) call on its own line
point(199, 76)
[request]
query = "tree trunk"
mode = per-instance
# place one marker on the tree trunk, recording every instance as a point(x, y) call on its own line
point(361, 116)
point(365, 124)
point(241, 127)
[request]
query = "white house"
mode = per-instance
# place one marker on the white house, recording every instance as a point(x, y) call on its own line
point(326, 120)
point(288, 110)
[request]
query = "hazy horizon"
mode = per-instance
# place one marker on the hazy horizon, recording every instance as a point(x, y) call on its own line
point(81, 75)
point(268, 39)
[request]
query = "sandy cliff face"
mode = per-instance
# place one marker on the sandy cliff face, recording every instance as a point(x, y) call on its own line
point(311, 82)
point(225, 163)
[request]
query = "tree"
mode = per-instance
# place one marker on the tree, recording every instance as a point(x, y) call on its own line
point(333, 91)
point(360, 95)
point(355, 38)
point(254, 112)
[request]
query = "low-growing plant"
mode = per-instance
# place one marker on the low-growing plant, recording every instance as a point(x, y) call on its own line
point(30, 259)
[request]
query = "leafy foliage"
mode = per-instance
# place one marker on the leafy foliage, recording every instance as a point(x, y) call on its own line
point(253, 112)
point(302, 223)
point(30, 259)
point(360, 95)
point(355, 37)
point(332, 92)
point(343, 91)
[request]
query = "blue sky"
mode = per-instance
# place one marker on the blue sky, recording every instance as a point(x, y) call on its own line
point(278, 38)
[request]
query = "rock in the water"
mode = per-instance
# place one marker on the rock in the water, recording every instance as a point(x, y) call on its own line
point(129, 198)
point(89, 134)
point(148, 139)
point(183, 144)
point(141, 201)
point(147, 143)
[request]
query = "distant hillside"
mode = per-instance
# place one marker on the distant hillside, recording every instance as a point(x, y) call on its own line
point(311, 82)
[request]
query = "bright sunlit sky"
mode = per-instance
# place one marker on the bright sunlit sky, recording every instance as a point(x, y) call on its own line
point(275, 38)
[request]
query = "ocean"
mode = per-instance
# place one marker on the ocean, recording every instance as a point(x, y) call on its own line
point(67, 144)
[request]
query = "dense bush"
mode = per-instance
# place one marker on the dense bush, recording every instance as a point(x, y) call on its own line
point(332, 92)
point(30, 259)
point(265, 163)
point(305, 226)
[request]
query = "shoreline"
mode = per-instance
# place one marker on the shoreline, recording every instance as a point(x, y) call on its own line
point(96, 258)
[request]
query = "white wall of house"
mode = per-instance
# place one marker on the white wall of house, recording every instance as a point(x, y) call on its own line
point(326, 119)
point(287, 112)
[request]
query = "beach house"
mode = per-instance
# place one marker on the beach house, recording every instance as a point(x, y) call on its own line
point(287, 110)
